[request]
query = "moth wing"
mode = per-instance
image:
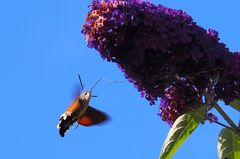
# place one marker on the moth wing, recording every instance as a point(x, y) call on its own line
point(76, 90)
point(92, 116)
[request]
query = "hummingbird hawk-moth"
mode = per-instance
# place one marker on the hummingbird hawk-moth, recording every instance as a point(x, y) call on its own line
point(79, 111)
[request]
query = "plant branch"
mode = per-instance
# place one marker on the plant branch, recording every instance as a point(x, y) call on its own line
point(219, 123)
point(226, 117)
point(205, 71)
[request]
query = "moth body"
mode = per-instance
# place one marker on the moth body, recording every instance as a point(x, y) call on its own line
point(79, 111)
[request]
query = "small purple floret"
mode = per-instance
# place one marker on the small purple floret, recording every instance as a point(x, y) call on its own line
point(212, 118)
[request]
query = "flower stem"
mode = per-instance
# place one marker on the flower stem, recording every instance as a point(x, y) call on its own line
point(219, 123)
point(226, 117)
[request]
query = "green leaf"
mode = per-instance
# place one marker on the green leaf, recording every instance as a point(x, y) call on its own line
point(236, 104)
point(228, 145)
point(181, 130)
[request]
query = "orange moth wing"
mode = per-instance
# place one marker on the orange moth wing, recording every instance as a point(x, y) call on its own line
point(91, 117)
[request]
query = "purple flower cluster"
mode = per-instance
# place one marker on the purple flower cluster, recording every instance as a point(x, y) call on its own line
point(228, 85)
point(153, 45)
point(178, 99)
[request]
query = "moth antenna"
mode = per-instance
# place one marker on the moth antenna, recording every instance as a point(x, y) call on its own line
point(111, 81)
point(80, 80)
point(95, 84)
point(103, 79)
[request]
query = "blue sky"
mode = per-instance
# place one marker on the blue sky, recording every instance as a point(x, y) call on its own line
point(41, 53)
